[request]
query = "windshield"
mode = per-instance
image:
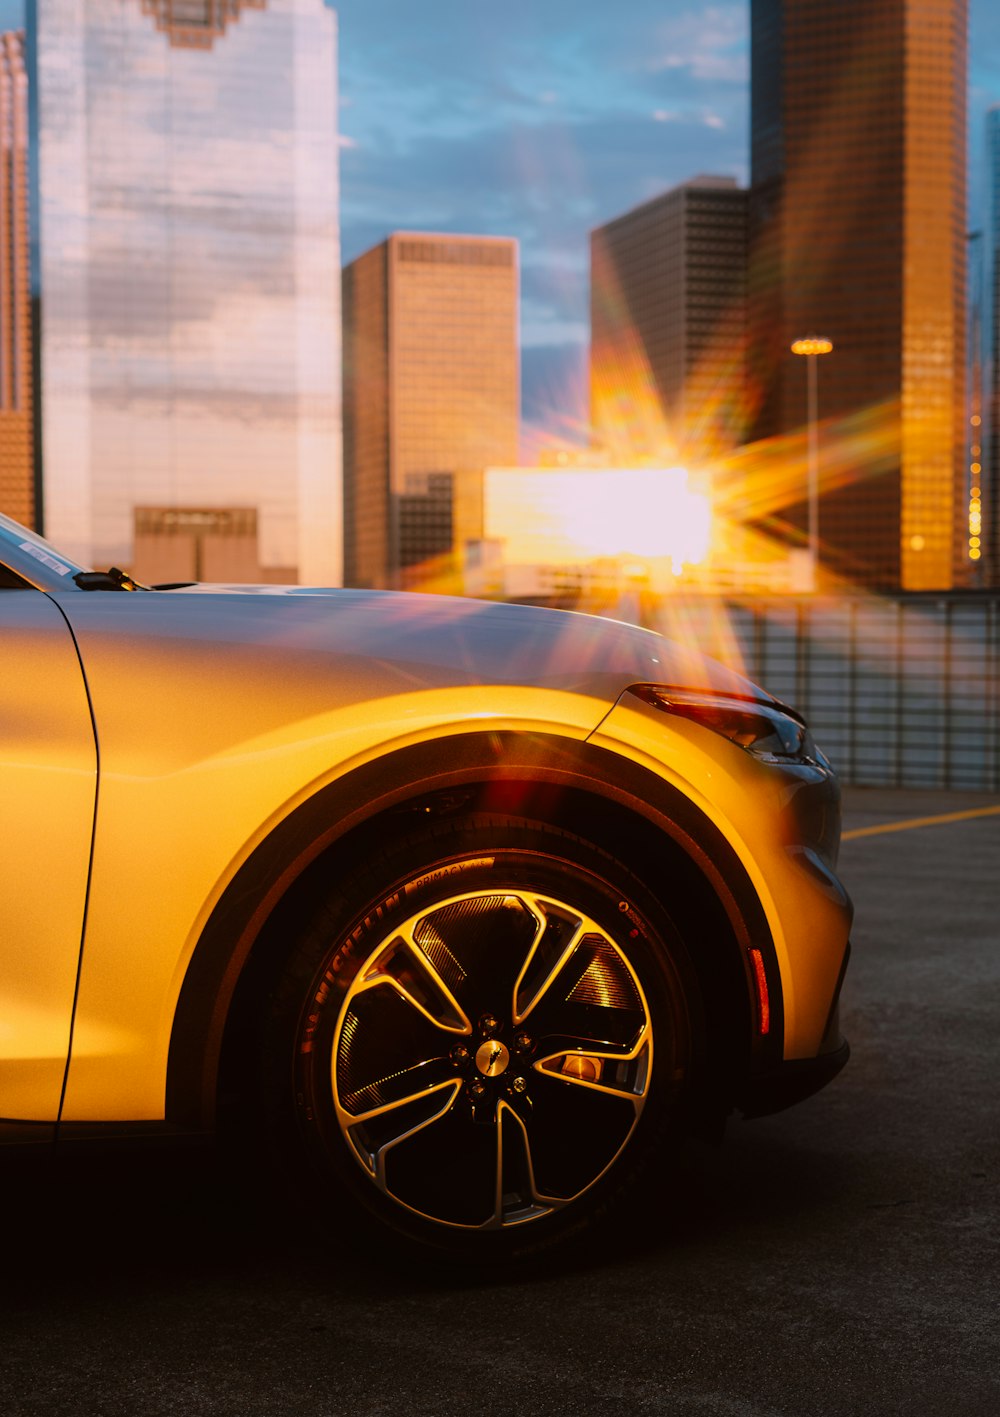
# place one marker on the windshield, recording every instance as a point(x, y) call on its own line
point(19, 537)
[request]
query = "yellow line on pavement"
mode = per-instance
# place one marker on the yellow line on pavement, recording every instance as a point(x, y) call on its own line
point(922, 822)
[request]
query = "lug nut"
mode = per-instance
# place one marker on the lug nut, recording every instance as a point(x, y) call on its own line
point(477, 1091)
point(519, 1085)
point(459, 1054)
point(489, 1024)
point(524, 1042)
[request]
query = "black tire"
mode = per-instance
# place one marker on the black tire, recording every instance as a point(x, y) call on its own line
point(481, 1037)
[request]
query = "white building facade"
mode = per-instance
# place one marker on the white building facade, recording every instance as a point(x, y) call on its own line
point(188, 268)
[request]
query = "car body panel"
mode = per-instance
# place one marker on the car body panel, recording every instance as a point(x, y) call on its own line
point(807, 910)
point(47, 789)
point(219, 713)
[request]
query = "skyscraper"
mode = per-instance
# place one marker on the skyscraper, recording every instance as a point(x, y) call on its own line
point(189, 284)
point(857, 231)
point(990, 444)
point(430, 398)
point(17, 490)
point(667, 317)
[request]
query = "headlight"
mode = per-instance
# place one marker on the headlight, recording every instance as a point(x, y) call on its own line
point(772, 733)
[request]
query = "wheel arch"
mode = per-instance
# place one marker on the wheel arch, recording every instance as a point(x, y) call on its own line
point(593, 791)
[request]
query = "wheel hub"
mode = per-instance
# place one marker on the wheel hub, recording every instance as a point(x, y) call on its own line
point(492, 1058)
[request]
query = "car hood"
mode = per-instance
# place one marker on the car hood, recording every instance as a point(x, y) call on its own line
point(433, 640)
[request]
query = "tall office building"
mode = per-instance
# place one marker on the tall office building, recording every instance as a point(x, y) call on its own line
point(667, 317)
point(17, 473)
point(989, 485)
point(430, 398)
point(189, 270)
point(857, 231)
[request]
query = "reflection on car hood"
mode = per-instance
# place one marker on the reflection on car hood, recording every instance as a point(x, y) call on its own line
point(445, 639)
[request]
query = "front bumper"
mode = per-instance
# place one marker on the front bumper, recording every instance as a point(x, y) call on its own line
point(798, 1078)
point(792, 1081)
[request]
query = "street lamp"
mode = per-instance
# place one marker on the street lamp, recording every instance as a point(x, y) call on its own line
point(812, 347)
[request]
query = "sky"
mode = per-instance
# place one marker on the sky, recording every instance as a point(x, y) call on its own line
point(540, 119)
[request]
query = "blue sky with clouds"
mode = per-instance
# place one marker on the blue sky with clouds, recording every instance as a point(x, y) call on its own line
point(542, 118)
point(536, 119)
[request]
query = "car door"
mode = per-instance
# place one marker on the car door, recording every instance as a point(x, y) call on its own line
point(48, 784)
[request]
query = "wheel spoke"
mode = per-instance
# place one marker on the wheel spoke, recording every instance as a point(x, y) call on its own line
point(574, 1133)
point(375, 1133)
point(475, 946)
point(538, 1203)
point(590, 996)
point(558, 1045)
point(407, 969)
point(446, 1167)
point(617, 1074)
point(497, 1220)
point(387, 1094)
point(389, 1048)
point(422, 947)
point(553, 947)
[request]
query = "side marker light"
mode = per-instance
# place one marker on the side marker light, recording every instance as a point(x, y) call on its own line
point(763, 1002)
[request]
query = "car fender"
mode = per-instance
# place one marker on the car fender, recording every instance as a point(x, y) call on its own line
point(446, 763)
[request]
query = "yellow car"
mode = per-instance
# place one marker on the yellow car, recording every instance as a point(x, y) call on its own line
point(466, 909)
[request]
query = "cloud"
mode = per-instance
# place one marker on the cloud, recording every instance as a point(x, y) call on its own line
point(449, 67)
point(546, 182)
point(710, 43)
point(540, 119)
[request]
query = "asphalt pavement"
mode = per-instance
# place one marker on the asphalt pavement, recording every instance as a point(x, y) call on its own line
point(842, 1257)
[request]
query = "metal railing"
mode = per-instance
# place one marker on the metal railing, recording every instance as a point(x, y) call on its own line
point(899, 692)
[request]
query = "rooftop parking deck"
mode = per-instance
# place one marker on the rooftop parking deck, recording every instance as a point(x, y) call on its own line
point(839, 1258)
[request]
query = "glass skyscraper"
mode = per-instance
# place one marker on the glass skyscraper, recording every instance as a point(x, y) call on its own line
point(667, 315)
point(858, 233)
point(17, 473)
point(189, 276)
point(990, 486)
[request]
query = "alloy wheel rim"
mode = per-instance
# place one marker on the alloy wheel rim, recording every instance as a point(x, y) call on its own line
point(491, 1058)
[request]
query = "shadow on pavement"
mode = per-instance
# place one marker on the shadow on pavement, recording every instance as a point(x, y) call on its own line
point(153, 1217)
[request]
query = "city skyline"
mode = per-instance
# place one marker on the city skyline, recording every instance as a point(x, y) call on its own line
point(542, 121)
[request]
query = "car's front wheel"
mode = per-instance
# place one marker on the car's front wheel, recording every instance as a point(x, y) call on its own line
point(482, 1035)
